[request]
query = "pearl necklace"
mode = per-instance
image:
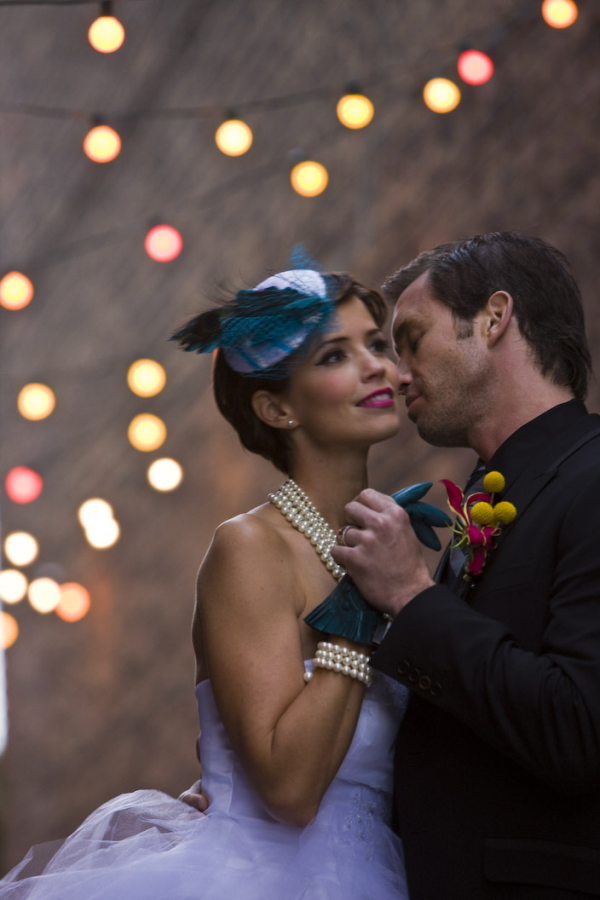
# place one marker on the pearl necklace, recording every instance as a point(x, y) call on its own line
point(293, 503)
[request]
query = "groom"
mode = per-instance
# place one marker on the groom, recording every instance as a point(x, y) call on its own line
point(498, 758)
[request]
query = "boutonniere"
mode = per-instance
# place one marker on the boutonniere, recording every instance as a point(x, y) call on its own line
point(479, 520)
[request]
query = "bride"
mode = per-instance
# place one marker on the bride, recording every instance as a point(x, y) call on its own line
point(297, 736)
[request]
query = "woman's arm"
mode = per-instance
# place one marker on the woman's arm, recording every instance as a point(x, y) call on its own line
point(290, 737)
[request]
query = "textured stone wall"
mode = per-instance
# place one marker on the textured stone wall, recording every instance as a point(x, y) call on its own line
point(106, 705)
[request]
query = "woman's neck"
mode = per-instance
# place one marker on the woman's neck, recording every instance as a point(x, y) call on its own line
point(331, 482)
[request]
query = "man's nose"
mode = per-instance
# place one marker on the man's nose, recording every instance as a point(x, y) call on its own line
point(405, 376)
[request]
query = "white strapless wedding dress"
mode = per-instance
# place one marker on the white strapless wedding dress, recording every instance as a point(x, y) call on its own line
point(148, 846)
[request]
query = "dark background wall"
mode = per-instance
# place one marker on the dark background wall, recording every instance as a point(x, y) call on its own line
point(106, 705)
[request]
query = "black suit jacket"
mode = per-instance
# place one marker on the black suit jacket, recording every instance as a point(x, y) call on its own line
point(498, 758)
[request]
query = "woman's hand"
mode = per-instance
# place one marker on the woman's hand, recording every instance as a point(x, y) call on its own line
point(194, 797)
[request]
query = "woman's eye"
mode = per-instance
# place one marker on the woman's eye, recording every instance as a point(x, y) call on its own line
point(332, 356)
point(380, 345)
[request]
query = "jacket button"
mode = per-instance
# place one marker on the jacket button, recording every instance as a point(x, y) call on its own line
point(435, 689)
point(403, 668)
point(424, 682)
point(414, 675)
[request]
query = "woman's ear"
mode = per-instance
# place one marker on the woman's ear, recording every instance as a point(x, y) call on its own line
point(272, 410)
point(497, 316)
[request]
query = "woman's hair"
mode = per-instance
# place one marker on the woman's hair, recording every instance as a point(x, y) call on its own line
point(233, 392)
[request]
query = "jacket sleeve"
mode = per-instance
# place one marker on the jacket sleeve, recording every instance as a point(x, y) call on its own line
point(541, 709)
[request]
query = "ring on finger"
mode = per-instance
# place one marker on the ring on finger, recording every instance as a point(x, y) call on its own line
point(341, 536)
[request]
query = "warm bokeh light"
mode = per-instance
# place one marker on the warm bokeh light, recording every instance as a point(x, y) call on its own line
point(21, 548)
point(475, 67)
point(102, 144)
point(74, 602)
point(441, 95)
point(355, 110)
point(23, 485)
point(559, 13)
point(309, 178)
point(102, 533)
point(233, 137)
point(106, 34)
point(44, 595)
point(163, 243)
point(146, 378)
point(165, 474)
point(94, 510)
point(35, 401)
point(13, 586)
point(9, 630)
point(147, 432)
point(16, 291)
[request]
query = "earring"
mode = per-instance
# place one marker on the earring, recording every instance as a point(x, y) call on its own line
point(290, 423)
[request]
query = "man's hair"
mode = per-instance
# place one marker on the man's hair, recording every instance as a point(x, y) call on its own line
point(547, 302)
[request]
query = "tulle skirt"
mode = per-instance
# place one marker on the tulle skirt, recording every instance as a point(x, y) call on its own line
point(148, 846)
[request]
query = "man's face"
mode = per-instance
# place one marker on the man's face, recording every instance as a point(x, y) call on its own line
point(444, 367)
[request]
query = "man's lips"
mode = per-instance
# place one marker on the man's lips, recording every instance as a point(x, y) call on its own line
point(379, 399)
point(410, 399)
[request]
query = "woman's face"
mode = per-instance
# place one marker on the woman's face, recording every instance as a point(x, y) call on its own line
point(346, 393)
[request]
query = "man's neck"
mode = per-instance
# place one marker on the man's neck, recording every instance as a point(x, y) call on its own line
point(506, 417)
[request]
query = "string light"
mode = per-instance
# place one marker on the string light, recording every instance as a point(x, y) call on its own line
point(74, 602)
point(35, 402)
point(163, 243)
point(44, 595)
point(165, 474)
point(16, 291)
point(309, 178)
point(102, 144)
point(94, 510)
point(559, 13)
point(233, 137)
point(23, 485)
point(355, 110)
point(102, 533)
point(106, 34)
point(475, 67)
point(21, 548)
point(13, 586)
point(146, 378)
point(9, 630)
point(146, 432)
point(441, 95)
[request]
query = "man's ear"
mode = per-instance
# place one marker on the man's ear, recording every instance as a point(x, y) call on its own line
point(497, 316)
point(272, 410)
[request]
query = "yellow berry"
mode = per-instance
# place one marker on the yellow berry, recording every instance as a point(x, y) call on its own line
point(483, 513)
point(505, 512)
point(494, 482)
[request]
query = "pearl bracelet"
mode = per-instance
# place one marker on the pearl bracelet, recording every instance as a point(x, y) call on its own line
point(340, 659)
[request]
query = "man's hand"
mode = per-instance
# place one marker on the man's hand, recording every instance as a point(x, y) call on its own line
point(195, 798)
point(382, 553)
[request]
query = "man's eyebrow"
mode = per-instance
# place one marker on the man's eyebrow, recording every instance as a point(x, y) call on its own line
point(401, 329)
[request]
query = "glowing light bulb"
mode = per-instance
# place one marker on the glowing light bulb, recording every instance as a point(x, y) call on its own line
point(234, 137)
point(44, 595)
point(13, 586)
point(146, 378)
point(35, 401)
point(355, 110)
point(21, 548)
point(165, 474)
point(106, 34)
point(23, 485)
point(309, 178)
point(441, 95)
point(102, 144)
point(9, 630)
point(559, 13)
point(475, 67)
point(16, 291)
point(163, 243)
point(74, 602)
point(102, 533)
point(94, 510)
point(146, 432)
